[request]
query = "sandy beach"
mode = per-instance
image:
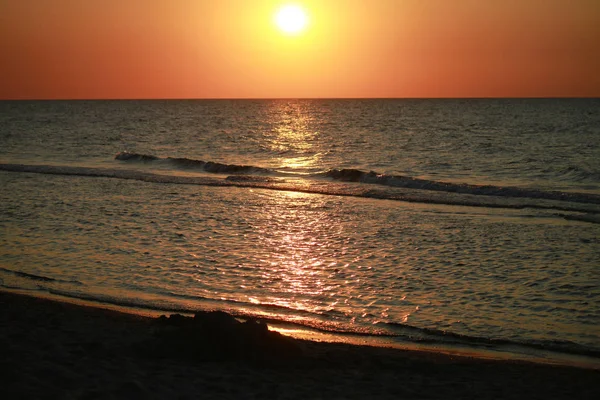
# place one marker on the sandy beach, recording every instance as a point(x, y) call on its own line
point(53, 349)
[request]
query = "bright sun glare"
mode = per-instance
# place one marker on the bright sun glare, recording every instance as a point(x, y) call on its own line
point(291, 19)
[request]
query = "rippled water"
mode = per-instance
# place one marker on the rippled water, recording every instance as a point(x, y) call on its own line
point(268, 208)
point(547, 143)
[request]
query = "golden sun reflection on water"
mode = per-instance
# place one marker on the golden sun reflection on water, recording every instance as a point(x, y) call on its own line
point(297, 228)
point(293, 136)
point(296, 235)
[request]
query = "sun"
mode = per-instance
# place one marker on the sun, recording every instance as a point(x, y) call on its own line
point(291, 19)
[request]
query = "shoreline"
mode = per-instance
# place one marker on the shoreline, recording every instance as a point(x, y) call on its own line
point(509, 352)
point(66, 350)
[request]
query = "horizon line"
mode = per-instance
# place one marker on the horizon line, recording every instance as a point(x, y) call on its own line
point(296, 98)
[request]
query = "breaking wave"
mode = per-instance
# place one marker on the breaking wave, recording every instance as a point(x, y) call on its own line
point(338, 182)
point(355, 175)
point(188, 163)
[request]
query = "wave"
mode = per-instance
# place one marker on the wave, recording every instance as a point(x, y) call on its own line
point(390, 330)
point(188, 163)
point(426, 335)
point(579, 174)
point(353, 183)
point(356, 175)
point(591, 218)
point(40, 278)
point(269, 313)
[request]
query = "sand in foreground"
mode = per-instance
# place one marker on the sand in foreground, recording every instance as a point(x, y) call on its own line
point(60, 350)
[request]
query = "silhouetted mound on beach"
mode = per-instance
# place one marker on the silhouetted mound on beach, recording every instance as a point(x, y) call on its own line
point(216, 335)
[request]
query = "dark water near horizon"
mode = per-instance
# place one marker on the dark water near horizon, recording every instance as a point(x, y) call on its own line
point(474, 222)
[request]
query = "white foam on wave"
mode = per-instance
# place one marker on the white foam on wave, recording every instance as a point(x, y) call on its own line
point(359, 186)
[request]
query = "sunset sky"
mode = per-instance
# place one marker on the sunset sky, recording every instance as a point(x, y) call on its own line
point(349, 48)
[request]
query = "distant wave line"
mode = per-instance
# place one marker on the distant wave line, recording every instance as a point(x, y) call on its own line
point(355, 175)
point(422, 195)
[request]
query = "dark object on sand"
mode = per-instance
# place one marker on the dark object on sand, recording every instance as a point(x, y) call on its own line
point(216, 335)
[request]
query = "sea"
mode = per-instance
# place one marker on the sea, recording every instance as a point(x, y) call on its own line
point(466, 224)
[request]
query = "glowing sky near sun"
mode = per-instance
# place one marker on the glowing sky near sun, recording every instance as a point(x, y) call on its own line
point(350, 48)
point(291, 18)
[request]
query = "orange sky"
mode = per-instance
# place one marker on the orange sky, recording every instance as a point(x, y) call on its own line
point(353, 48)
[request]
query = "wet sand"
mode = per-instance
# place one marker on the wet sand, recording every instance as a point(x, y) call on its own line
point(52, 349)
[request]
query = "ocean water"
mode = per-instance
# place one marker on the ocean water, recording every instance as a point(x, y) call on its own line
point(473, 223)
